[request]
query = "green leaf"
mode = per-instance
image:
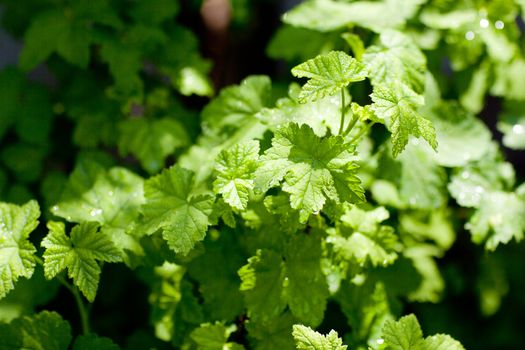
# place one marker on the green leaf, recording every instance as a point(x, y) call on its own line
point(422, 180)
point(499, 219)
point(369, 241)
point(238, 104)
point(321, 115)
point(297, 44)
point(235, 168)
point(423, 257)
point(329, 15)
point(214, 337)
point(43, 331)
point(173, 207)
point(52, 31)
point(404, 334)
point(461, 137)
point(110, 197)
point(442, 342)
point(80, 254)
point(512, 125)
point(328, 74)
point(270, 281)
point(155, 11)
point(216, 272)
point(16, 251)
point(366, 307)
point(396, 59)
point(94, 342)
point(308, 339)
point(274, 334)
point(313, 168)
point(125, 62)
point(398, 105)
point(262, 285)
point(151, 141)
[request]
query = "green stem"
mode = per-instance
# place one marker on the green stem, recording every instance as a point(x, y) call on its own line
point(84, 315)
point(82, 310)
point(363, 131)
point(351, 125)
point(341, 127)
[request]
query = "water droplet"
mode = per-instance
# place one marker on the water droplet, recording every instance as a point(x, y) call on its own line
point(380, 341)
point(484, 23)
point(385, 262)
point(465, 175)
point(470, 35)
point(55, 208)
point(499, 25)
point(95, 212)
point(518, 129)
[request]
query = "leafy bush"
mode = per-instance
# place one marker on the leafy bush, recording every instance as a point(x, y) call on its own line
point(144, 207)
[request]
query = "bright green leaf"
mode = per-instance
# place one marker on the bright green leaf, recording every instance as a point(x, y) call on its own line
point(16, 251)
point(398, 105)
point(80, 254)
point(308, 339)
point(328, 74)
point(173, 207)
point(314, 169)
point(235, 168)
point(404, 334)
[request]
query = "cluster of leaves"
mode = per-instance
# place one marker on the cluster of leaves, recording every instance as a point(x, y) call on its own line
point(244, 229)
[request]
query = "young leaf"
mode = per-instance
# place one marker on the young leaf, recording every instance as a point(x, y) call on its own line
point(236, 167)
point(313, 169)
point(369, 240)
point(308, 339)
point(172, 206)
point(80, 254)
point(16, 251)
point(398, 105)
point(328, 74)
point(404, 334)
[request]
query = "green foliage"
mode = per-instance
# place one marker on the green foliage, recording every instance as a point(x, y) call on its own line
point(247, 217)
point(17, 252)
point(173, 206)
point(80, 253)
point(307, 339)
point(328, 74)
